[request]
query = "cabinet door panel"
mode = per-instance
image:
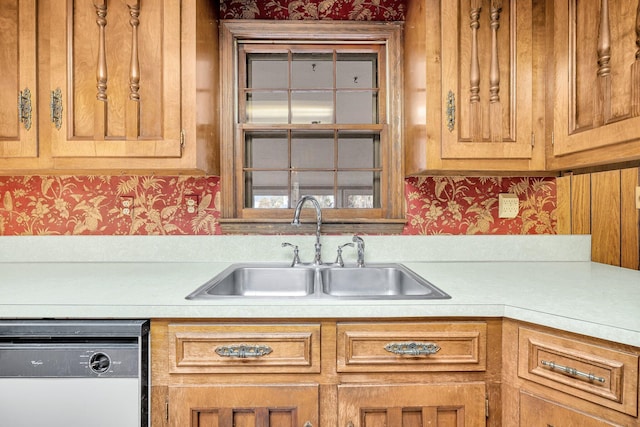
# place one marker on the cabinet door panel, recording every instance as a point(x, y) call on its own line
point(488, 69)
point(18, 132)
point(118, 68)
point(537, 412)
point(597, 97)
point(243, 406)
point(412, 405)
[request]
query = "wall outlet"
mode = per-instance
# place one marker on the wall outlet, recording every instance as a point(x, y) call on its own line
point(508, 205)
point(191, 201)
point(638, 197)
point(126, 205)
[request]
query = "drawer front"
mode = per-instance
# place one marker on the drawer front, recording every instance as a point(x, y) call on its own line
point(406, 347)
point(241, 348)
point(594, 373)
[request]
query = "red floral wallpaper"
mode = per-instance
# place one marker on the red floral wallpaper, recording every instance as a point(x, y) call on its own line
point(68, 205)
point(354, 10)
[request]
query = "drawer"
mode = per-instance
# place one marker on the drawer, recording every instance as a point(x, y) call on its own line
point(244, 348)
point(598, 374)
point(416, 346)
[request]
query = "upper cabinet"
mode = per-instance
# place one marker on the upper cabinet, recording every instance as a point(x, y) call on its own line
point(18, 129)
point(597, 83)
point(131, 86)
point(474, 70)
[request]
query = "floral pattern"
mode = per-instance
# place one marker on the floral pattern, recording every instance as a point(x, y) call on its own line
point(469, 205)
point(70, 205)
point(358, 10)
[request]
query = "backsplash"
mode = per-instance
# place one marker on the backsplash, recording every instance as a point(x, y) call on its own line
point(94, 205)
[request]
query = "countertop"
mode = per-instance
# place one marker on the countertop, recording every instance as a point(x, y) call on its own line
point(544, 280)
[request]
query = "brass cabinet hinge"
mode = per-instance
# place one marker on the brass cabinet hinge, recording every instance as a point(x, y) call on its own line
point(533, 139)
point(24, 108)
point(166, 410)
point(486, 406)
point(182, 136)
point(553, 138)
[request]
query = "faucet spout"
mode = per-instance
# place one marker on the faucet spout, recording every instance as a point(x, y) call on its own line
point(296, 221)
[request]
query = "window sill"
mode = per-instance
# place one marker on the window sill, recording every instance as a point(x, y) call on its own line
point(256, 226)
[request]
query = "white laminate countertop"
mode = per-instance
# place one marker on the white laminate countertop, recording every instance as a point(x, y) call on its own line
point(547, 280)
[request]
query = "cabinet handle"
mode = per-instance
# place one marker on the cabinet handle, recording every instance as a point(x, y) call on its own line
point(243, 351)
point(349, 424)
point(451, 111)
point(308, 424)
point(412, 348)
point(55, 107)
point(572, 371)
point(24, 108)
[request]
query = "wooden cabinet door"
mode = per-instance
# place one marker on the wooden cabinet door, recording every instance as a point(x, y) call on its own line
point(537, 412)
point(474, 78)
point(597, 82)
point(18, 126)
point(116, 67)
point(440, 405)
point(244, 406)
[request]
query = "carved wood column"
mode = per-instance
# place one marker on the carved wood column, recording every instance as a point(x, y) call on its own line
point(495, 107)
point(100, 111)
point(133, 103)
point(475, 110)
point(635, 70)
point(602, 111)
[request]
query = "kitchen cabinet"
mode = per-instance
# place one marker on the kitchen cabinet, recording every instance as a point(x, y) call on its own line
point(18, 126)
point(596, 98)
point(556, 378)
point(322, 373)
point(130, 87)
point(473, 86)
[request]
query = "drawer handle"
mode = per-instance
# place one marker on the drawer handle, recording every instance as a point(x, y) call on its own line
point(243, 351)
point(412, 348)
point(572, 371)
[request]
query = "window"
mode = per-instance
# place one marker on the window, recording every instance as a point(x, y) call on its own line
point(314, 109)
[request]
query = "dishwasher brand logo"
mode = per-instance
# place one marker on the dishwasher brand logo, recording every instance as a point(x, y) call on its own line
point(37, 362)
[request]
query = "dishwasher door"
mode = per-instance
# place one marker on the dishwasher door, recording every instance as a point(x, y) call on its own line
point(69, 379)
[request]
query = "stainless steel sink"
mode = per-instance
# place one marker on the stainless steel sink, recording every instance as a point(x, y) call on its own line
point(255, 280)
point(378, 281)
point(264, 280)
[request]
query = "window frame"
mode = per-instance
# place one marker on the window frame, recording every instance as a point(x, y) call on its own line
point(390, 217)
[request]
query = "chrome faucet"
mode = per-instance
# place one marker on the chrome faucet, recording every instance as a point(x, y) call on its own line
point(360, 248)
point(296, 221)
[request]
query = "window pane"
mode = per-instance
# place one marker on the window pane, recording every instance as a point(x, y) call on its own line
point(312, 150)
point(319, 184)
point(267, 107)
point(358, 150)
point(267, 71)
point(312, 107)
point(266, 150)
point(356, 107)
point(266, 189)
point(359, 189)
point(356, 70)
point(312, 71)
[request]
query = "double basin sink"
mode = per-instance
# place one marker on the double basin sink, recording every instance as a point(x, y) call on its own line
point(268, 280)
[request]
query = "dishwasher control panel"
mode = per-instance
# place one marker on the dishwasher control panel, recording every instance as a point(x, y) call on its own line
point(70, 360)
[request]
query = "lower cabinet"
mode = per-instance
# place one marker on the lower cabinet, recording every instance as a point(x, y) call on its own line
point(412, 405)
point(243, 406)
point(327, 373)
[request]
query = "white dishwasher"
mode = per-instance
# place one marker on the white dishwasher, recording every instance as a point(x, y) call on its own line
point(74, 373)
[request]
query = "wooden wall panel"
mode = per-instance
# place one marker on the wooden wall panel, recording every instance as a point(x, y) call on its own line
point(605, 217)
point(563, 204)
point(630, 219)
point(581, 204)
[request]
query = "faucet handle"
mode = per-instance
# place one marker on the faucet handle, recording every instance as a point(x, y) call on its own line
point(339, 259)
point(296, 256)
